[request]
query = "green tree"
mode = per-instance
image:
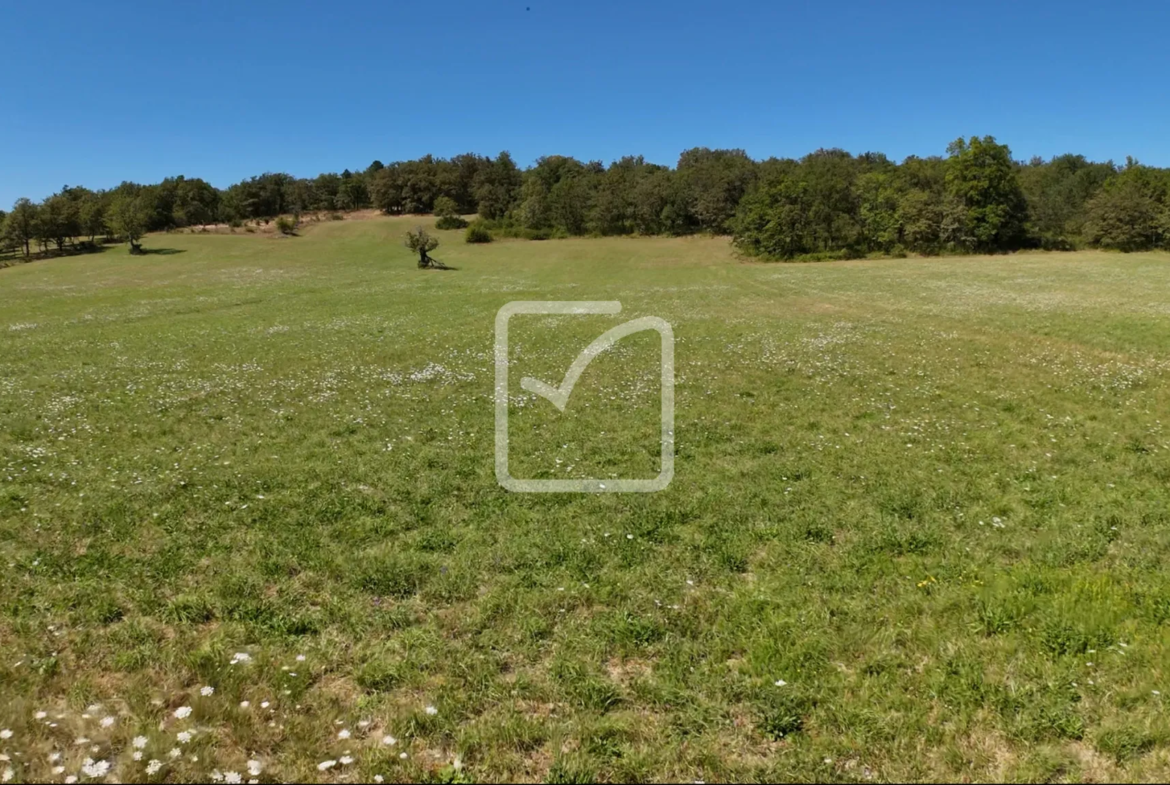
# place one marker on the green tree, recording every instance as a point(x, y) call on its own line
point(21, 225)
point(1126, 215)
point(445, 207)
point(497, 187)
point(982, 177)
point(128, 218)
point(418, 240)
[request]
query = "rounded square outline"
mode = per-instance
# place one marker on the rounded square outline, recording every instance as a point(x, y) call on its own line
point(504, 476)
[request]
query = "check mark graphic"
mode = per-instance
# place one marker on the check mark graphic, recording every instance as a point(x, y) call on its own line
point(559, 396)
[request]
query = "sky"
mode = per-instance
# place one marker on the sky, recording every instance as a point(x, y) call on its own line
point(98, 93)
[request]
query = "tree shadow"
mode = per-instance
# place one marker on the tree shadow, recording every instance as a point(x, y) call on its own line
point(160, 251)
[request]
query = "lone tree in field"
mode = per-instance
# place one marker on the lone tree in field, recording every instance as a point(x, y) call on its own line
point(127, 218)
point(419, 240)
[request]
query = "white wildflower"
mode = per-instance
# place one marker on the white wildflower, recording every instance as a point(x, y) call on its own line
point(139, 742)
point(389, 741)
point(345, 760)
point(431, 711)
point(107, 722)
point(5, 734)
point(325, 765)
point(153, 767)
point(95, 770)
point(184, 737)
point(232, 777)
point(183, 712)
point(136, 755)
point(343, 733)
point(255, 767)
point(207, 692)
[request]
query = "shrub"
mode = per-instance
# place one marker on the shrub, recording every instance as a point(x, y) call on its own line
point(445, 207)
point(450, 222)
point(477, 233)
point(286, 225)
point(235, 223)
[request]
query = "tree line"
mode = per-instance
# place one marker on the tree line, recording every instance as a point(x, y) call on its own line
point(828, 204)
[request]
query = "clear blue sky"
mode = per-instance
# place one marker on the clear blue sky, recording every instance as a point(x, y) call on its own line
point(98, 92)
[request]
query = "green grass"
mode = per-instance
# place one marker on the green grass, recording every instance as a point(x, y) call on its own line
point(929, 495)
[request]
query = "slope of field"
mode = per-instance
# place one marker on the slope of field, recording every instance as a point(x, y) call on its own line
point(919, 525)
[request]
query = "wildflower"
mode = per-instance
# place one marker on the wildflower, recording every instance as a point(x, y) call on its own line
point(300, 658)
point(207, 692)
point(183, 712)
point(378, 778)
point(325, 765)
point(431, 711)
point(346, 760)
point(241, 656)
point(40, 715)
point(264, 705)
point(136, 755)
point(343, 733)
point(54, 757)
point(58, 770)
point(244, 704)
point(7, 774)
point(232, 777)
point(184, 737)
point(5, 734)
point(255, 767)
point(402, 755)
point(389, 741)
point(95, 770)
point(174, 753)
point(152, 767)
point(781, 683)
point(70, 780)
point(139, 742)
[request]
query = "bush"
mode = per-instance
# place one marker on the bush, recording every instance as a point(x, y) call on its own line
point(477, 233)
point(286, 225)
point(450, 222)
point(235, 223)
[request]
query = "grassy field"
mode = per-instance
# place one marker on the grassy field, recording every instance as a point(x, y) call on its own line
point(919, 525)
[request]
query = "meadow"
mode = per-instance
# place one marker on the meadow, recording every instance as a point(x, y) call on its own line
point(250, 526)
